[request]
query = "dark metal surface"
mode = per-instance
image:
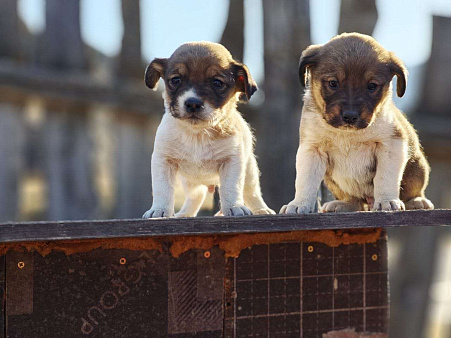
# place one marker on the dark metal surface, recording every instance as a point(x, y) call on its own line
point(51, 231)
point(279, 289)
point(19, 284)
point(307, 290)
point(2, 295)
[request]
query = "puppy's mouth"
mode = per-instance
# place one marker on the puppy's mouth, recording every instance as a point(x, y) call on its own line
point(194, 119)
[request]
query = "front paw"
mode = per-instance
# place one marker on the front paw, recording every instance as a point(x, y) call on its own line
point(158, 213)
point(237, 210)
point(299, 207)
point(388, 205)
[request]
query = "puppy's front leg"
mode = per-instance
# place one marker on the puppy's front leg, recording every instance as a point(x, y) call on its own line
point(391, 161)
point(310, 170)
point(231, 176)
point(163, 180)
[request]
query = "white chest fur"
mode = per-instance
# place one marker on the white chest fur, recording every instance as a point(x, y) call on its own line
point(352, 166)
point(198, 155)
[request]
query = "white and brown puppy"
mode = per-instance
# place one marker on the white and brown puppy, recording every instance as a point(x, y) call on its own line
point(352, 135)
point(202, 136)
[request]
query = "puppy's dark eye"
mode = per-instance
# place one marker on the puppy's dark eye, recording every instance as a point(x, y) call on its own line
point(175, 81)
point(218, 83)
point(333, 84)
point(372, 87)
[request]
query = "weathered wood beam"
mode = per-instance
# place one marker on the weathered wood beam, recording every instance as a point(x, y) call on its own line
point(53, 231)
point(78, 88)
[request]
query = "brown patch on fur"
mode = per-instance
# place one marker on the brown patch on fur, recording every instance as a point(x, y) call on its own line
point(398, 132)
point(415, 179)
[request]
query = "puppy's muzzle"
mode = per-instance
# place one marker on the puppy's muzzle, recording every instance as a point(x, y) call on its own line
point(350, 116)
point(193, 105)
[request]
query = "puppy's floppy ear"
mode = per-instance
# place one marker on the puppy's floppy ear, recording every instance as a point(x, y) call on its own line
point(308, 59)
point(398, 68)
point(244, 81)
point(154, 71)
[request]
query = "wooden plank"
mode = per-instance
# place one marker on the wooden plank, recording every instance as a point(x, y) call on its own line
point(50, 231)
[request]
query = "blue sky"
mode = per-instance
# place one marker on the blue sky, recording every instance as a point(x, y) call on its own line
point(404, 26)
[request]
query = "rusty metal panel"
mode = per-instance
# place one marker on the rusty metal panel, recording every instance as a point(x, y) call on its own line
point(285, 289)
point(308, 290)
point(114, 293)
point(2, 295)
point(19, 285)
point(196, 293)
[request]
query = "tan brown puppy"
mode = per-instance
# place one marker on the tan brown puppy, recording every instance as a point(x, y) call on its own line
point(202, 137)
point(352, 135)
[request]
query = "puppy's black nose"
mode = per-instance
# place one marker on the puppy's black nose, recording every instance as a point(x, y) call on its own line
point(350, 116)
point(193, 105)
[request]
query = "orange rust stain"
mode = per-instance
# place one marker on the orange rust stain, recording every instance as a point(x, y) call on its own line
point(232, 245)
point(71, 247)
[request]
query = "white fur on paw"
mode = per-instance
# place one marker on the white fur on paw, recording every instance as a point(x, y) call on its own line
point(340, 206)
point(296, 207)
point(388, 205)
point(419, 203)
point(157, 213)
point(264, 211)
point(238, 210)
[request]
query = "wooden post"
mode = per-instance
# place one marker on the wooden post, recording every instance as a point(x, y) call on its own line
point(11, 119)
point(9, 28)
point(11, 159)
point(357, 16)
point(69, 167)
point(133, 153)
point(61, 45)
point(130, 64)
point(134, 142)
point(233, 35)
point(287, 34)
point(436, 99)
